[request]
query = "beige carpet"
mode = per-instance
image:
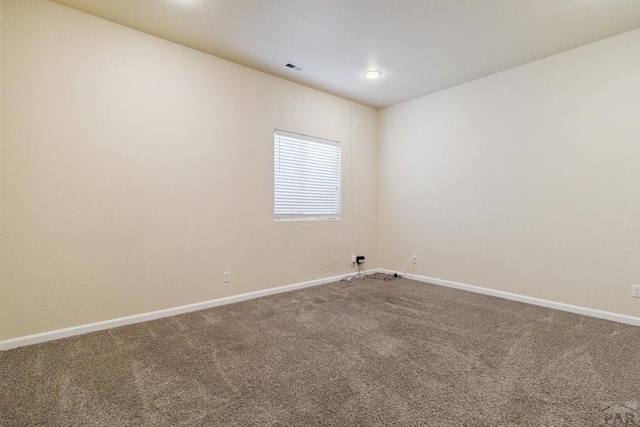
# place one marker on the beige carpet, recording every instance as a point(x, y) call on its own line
point(363, 353)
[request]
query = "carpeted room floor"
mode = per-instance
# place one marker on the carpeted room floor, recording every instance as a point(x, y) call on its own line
point(367, 352)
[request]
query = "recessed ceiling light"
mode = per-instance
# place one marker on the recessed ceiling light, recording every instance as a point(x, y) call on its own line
point(372, 74)
point(187, 2)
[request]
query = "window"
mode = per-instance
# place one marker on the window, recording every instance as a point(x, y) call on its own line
point(307, 177)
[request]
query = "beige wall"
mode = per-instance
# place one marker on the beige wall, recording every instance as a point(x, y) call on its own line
point(1, 7)
point(135, 171)
point(527, 181)
point(1, 38)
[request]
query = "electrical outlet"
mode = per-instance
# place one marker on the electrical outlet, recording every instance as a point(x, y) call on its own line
point(414, 259)
point(353, 259)
point(635, 291)
point(226, 277)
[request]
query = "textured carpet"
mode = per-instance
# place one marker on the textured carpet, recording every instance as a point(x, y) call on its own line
point(365, 353)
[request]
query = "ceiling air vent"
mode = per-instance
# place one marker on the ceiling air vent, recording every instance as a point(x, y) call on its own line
point(294, 66)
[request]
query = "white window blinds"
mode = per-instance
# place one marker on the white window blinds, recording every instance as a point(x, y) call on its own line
point(307, 177)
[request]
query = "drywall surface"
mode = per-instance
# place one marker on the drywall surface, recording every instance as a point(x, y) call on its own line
point(135, 171)
point(526, 181)
point(1, 1)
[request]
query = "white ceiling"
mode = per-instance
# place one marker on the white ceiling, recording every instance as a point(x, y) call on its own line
point(421, 46)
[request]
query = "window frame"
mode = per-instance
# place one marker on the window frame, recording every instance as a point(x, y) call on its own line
point(334, 170)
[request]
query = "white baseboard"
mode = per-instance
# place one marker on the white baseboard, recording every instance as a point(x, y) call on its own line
point(621, 318)
point(144, 317)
